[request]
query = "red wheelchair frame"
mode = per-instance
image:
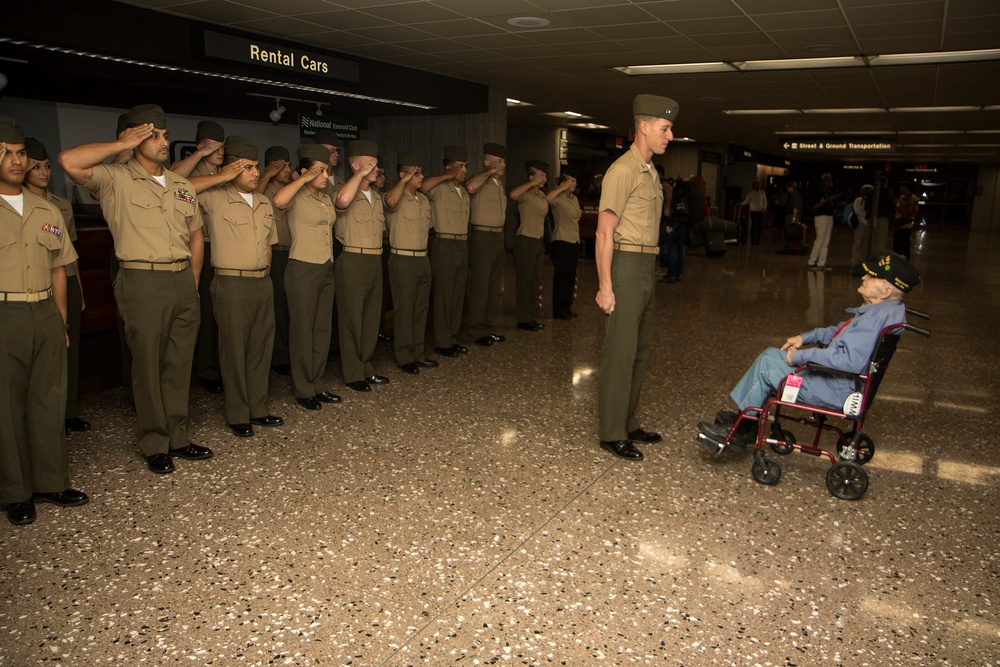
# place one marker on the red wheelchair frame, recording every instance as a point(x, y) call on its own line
point(846, 478)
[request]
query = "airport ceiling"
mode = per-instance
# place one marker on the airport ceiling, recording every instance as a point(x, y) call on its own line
point(567, 65)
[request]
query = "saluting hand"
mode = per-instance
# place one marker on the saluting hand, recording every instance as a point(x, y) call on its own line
point(3, 150)
point(274, 168)
point(133, 136)
point(210, 147)
point(368, 168)
point(233, 169)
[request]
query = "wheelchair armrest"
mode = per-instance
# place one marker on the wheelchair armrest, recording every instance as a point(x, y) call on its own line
point(817, 368)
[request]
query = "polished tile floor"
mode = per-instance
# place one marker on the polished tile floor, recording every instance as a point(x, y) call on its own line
point(468, 517)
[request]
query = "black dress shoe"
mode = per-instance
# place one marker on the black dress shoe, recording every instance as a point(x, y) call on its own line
point(161, 464)
point(360, 385)
point(497, 338)
point(192, 452)
point(386, 338)
point(269, 420)
point(241, 430)
point(447, 351)
point(327, 397)
point(20, 514)
point(564, 316)
point(282, 369)
point(67, 498)
point(77, 425)
point(526, 326)
point(623, 449)
point(211, 386)
point(538, 325)
point(461, 349)
point(485, 341)
point(426, 363)
point(377, 379)
point(640, 435)
point(411, 368)
point(309, 403)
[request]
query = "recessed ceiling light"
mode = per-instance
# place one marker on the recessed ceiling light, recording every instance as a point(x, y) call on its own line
point(528, 22)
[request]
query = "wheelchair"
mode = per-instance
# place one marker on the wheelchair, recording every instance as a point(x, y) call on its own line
point(846, 478)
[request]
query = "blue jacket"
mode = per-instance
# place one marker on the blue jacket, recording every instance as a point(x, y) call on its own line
point(850, 351)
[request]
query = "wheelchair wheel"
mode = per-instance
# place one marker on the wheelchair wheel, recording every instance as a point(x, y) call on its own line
point(866, 448)
point(765, 470)
point(785, 436)
point(847, 480)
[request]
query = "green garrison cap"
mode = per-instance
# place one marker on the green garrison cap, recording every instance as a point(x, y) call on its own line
point(277, 153)
point(410, 159)
point(537, 164)
point(209, 129)
point(10, 130)
point(314, 152)
point(455, 154)
point(35, 150)
point(146, 113)
point(499, 150)
point(243, 147)
point(656, 106)
point(327, 137)
point(362, 147)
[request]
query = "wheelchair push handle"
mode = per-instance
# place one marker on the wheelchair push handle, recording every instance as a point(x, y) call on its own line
point(917, 313)
point(915, 329)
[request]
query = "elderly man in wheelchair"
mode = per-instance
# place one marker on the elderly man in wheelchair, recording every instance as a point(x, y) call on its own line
point(846, 349)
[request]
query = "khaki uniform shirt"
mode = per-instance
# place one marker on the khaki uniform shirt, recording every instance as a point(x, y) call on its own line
point(205, 169)
point(410, 222)
point(149, 222)
point(280, 219)
point(489, 205)
point(532, 208)
point(310, 221)
point(450, 208)
point(631, 190)
point(31, 245)
point(361, 224)
point(69, 221)
point(566, 213)
point(242, 234)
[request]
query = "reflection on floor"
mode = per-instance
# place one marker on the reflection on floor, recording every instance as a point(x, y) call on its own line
point(467, 516)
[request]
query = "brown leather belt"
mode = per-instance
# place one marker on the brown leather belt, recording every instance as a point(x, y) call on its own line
point(26, 297)
point(362, 251)
point(173, 267)
point(409, 253)
point(242, 273)
point(631, 247)
point(454, 237)
point(481, 228)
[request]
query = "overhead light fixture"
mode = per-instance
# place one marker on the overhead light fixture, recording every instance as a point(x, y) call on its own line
point(824, 62)
point(932, 109)
point(802, 63)
point(571, 115)
point(590, 126)
point(802, 133)
point(936, 57)
point(277, 112)
point(214, 75)
point(760, 112)
point(528, 22)
point(511, 102)
point(676, 68)
point(848, 110)
point(683, 139)
point(319, 108)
